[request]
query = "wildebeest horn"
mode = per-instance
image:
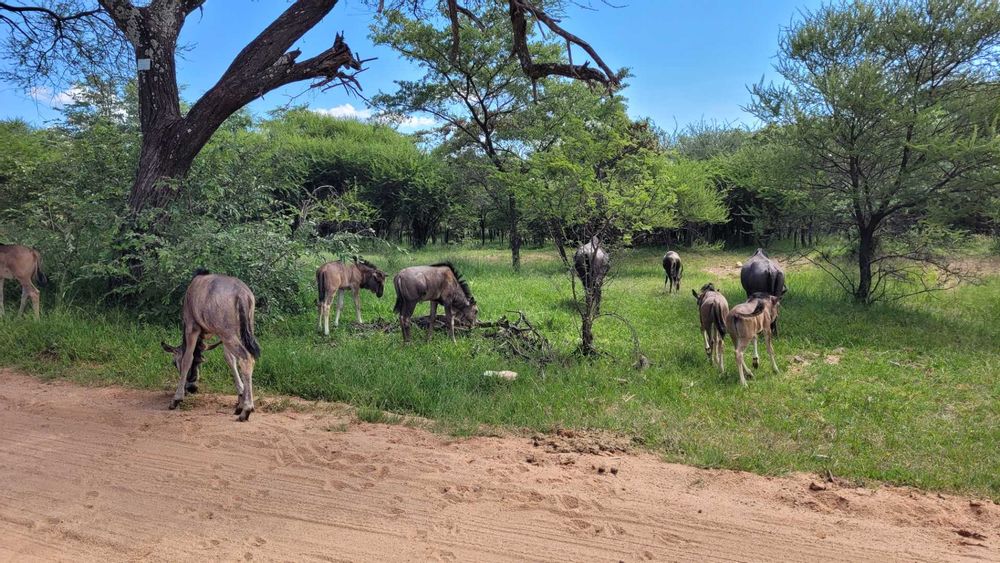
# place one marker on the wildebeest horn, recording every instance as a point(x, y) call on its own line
point(213, 346)
point(695, 293)
point(167, 348)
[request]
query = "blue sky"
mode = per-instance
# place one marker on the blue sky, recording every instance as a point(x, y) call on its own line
point(691, 60)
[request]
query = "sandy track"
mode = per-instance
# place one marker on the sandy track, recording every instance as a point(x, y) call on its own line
point(109, 473)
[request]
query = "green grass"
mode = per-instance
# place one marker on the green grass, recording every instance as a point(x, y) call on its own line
point(914, 399)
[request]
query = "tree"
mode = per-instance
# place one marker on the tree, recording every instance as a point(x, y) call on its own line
point(76, 35)
point(887, 108)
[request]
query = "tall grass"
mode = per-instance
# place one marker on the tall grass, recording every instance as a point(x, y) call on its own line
point(906, 393)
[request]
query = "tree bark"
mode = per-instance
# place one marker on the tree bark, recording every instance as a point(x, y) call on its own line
point(515, 234)
point(866, 253)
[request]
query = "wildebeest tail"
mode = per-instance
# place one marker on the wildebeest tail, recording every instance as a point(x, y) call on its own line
point(677, 268)
point(39, 276)
point(720, 323)
point(246, 330)
point(321, 285)
point(756, 311)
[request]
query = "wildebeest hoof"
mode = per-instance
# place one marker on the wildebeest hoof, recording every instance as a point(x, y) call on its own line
point(191, 387)
point(756, 363)
point(245, 415)
point(174, 404)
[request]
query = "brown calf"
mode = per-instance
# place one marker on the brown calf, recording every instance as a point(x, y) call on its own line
point(713, 310)
point(746, 321)
point(439, 283)
point(336, 277)
point(222, 306)
point(23, 264)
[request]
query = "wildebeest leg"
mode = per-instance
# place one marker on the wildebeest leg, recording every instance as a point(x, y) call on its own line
point(24, 299)
point(356, 291)
point(666, 282)
point(721, 345)
point(246, 366)
point(433, 318)
point(33, 294)
point(756, 356)
point(190, 341)
point(404, 319)
point(340, 305)
point(770, 350)
point(741, 366)
point(708, 345)
point(449, 317)
point(324, 314)
point(237, 380)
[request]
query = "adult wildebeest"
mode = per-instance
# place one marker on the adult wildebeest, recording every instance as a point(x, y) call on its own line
point(713, 310)
point(760, 274)
point(223, 306)
point(438, 283)
point(336, 277)
point(592, 264)
point(23, 264)
point(673, 268)
point(746, 321)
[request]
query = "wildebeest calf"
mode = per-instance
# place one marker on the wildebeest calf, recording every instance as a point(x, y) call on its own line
point(438, 283)
point(221, 306)
point(592, 263)
point(336, 277)
point(23, 264)
point(713, 310)
point(745, 322)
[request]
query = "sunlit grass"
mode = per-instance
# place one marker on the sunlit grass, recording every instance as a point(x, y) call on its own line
point(906, 393)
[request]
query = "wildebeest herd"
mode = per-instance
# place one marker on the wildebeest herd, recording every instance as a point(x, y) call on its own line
point(223, 307)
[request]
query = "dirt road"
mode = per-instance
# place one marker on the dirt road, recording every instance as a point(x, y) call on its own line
point(108, 474)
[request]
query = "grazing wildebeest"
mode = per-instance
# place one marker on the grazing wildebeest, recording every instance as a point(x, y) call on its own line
point(746, 321)
point(23, 264)
point(222, 306)
point(438, 283)
point(592, 264)
point(673, 268)
point(760, 274)
point(713, 310)
point(336, 277)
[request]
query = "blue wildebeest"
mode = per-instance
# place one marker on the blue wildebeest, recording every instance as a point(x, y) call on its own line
point(592, 264)
point(713, 309)
point(745, 322)
point(437, 283)
point(23, 264)
point(222, 306)
point(673, 268)
point(760, 274)
point(337, 277)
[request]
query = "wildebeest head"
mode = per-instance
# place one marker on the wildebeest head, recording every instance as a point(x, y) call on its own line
point(700, 295)
point(372, 278)
point(178, 352)
point(467, 315)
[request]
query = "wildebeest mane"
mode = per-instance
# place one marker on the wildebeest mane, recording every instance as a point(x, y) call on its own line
point(458, 277)
point(361, 260)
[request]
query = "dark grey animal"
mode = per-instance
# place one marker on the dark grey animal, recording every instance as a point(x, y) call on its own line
point(592, 264)
point(760, 274)
point(222, 306)
point(674, 269)
point(438, 283)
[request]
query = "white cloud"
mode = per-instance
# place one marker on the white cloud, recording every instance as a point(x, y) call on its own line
point(347, 111)
point(406, 123)
point(56, 99)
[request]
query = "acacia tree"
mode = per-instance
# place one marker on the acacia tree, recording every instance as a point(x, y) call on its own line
point(60, 38)
point(889, 107)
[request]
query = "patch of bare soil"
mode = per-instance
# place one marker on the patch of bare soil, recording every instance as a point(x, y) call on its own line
point(92, 474)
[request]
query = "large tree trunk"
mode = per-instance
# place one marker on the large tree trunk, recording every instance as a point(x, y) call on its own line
point(866, 253)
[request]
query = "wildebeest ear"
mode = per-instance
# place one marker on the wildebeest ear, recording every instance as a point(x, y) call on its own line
point(695, 293)
point(167, 348)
